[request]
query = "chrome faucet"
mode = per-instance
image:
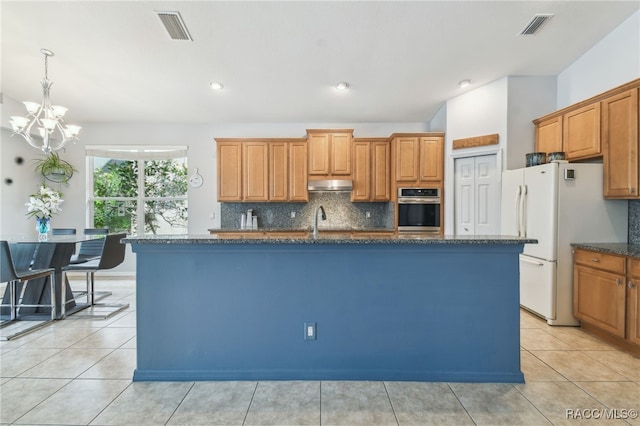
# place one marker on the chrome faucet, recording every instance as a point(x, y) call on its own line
point(315, 220)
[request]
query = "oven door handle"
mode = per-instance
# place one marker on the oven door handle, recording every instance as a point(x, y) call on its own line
point(418, 200)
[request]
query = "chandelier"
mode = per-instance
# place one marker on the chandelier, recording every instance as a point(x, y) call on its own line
point(46, 117)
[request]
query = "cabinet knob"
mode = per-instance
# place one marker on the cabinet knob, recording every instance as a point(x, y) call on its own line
point(618, 281)
point(595, 260)
point(631, 284)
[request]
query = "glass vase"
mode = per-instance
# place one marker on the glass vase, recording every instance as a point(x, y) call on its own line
point(43, 224)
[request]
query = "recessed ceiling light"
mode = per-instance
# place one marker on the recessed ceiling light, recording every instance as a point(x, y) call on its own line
point(464, 83)
point(216, 85)
point(343, 85)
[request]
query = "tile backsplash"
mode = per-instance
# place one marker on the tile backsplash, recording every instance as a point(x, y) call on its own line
point(341, 213)
point(634, 221)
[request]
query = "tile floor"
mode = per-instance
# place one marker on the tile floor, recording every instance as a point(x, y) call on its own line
point(78, 372)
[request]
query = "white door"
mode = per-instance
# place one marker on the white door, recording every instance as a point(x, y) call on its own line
point(464, 196)
point(541, 187)
point(476, 197)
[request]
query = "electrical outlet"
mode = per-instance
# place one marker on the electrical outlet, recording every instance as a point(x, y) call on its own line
point(309, 331)
point(368, 215)
point(293, 215)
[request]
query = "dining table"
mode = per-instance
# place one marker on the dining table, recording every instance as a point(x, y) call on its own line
point(29, 252)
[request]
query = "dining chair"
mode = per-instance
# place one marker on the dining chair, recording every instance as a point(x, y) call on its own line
point(112, 255)
point(63, 231)
point(90, 250)
point(17, 281)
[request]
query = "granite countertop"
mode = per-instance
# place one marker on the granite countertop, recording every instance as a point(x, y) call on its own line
point(307, 229)
point(621, 249)
point(332, 239)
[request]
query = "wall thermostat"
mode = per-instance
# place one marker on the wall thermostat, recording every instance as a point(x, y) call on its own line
point(569, 174)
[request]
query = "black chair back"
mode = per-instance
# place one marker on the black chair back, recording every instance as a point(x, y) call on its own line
point(113, 252)
point(92, 248)
point(63, 231)
point(7, 269)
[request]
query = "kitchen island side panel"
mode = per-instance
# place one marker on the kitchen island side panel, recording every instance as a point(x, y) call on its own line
point(383, 312)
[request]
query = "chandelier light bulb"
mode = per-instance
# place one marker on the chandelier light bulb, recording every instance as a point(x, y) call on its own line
point(45, 119)
point(343, 85)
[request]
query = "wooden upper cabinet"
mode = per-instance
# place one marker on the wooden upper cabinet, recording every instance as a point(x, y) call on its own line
point(549, 135)
point(620, 145)
point(361, 171)
point(407, 156)
point(256, 171)
point(431, 159)
point(340, 159)
point(329, 153)
point(380, 171)
point(298, 171)
point(278, 171)
point(229, 156)
point(318, 146)
point(581, 132)
point(419, 159)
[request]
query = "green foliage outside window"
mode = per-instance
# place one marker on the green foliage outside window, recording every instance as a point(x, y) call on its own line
point(119, 178)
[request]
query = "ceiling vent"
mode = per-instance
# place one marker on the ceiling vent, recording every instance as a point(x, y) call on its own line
point(535, 24)
point(174, 25)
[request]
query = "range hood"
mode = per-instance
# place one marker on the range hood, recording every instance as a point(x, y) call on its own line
point(335, 185)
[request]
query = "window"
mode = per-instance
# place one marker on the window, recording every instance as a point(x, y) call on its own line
point(138, 190)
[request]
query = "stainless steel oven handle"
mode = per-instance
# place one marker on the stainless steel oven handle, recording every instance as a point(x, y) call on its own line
point(418, 200)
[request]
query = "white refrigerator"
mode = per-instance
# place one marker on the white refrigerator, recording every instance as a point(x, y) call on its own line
point(558, 204)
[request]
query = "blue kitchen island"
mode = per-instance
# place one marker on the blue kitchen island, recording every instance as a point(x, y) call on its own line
point(336, 308)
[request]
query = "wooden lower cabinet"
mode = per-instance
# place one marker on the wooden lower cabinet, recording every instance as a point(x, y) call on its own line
point(633, 301)
point(606, 296)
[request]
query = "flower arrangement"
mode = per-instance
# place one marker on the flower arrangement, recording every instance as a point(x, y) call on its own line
point(44, 203)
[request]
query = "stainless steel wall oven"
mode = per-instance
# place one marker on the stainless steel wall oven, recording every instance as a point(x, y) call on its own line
point(419, 210)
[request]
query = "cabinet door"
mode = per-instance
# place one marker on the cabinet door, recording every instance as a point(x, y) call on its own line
point(549, 135)
point(633, 310)
point(340, 159)
point(318, 145)
point(256, 171)
point(431, 159)
point(229, 171)
point(298, 171)
point(599, 299)
point(407, 158)
point(278, 171)
point(581, 132)
point(361, 171)
point(380, 171)
point(620, 145)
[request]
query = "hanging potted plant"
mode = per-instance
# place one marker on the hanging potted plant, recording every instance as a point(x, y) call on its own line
point(54, 169)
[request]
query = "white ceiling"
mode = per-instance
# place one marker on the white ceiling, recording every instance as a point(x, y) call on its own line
point(114, 61)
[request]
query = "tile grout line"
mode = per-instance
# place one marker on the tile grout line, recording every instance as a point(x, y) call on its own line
point(461, 404)
point(534, 405)
point(180, 403)
point(250, 402)
point(112, 401)
point(320, 403)
point(384, 384)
